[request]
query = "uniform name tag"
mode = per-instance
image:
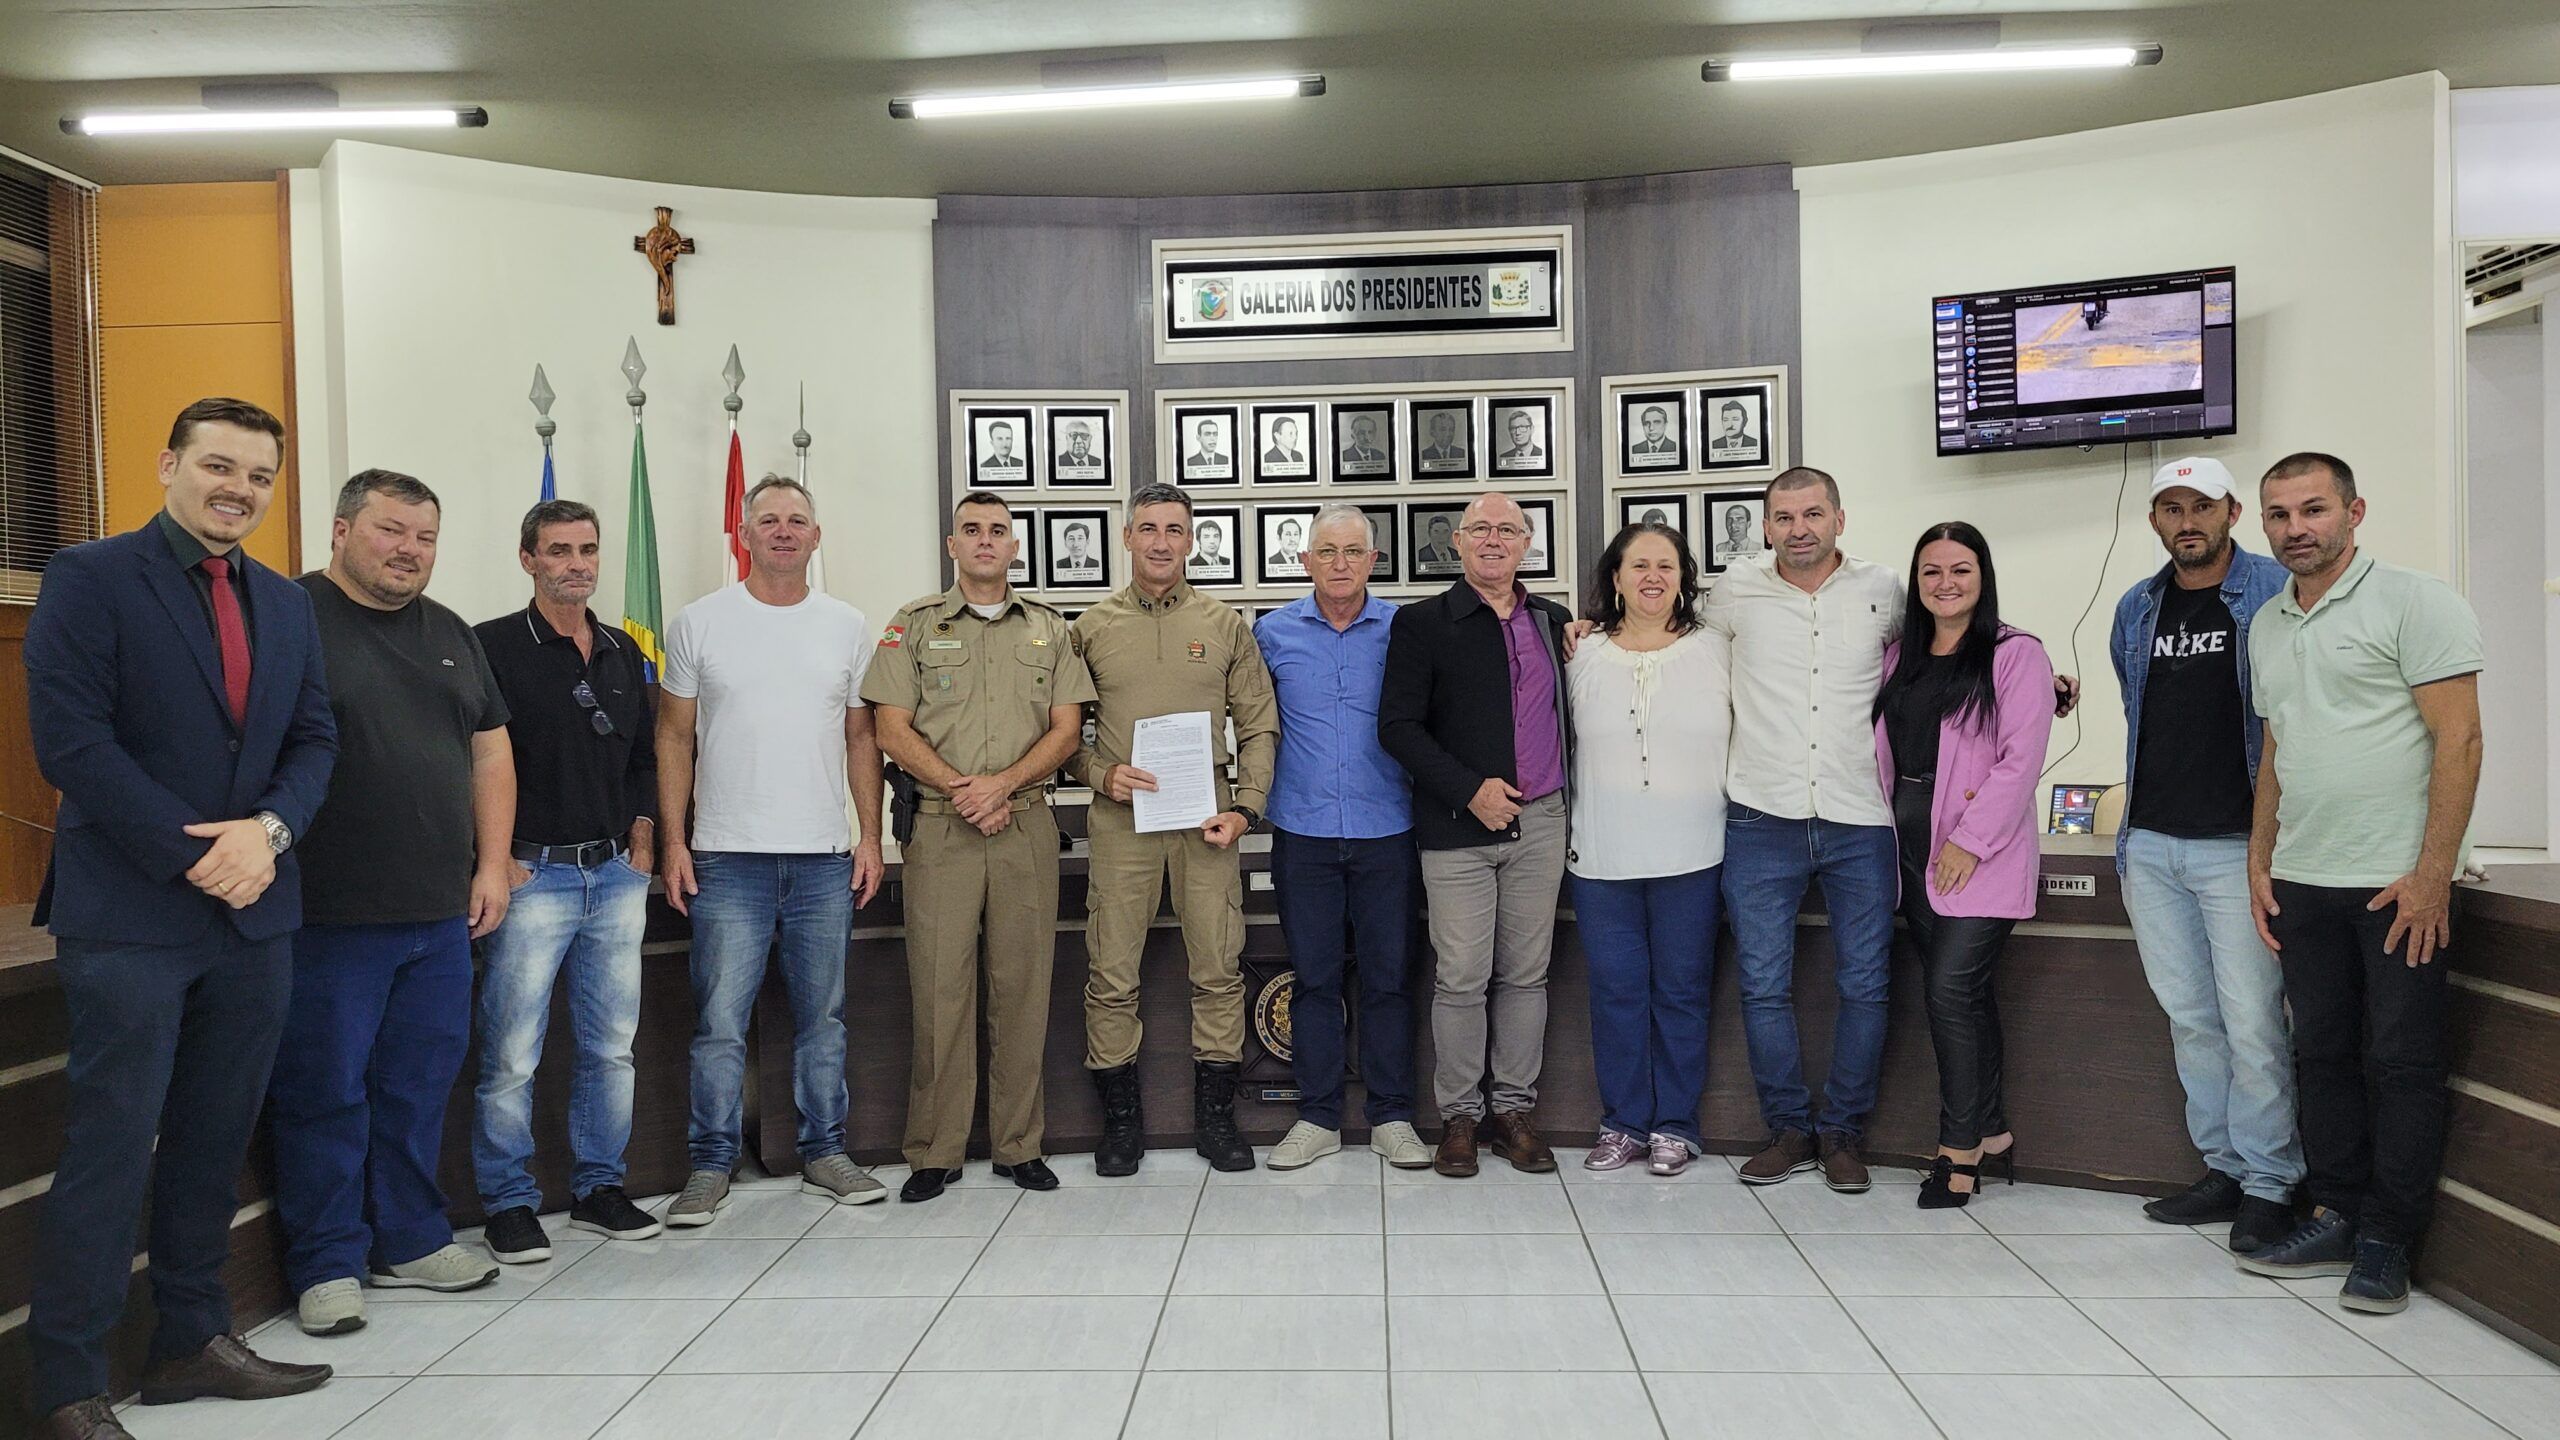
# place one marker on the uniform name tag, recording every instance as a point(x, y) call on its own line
point(946, 644)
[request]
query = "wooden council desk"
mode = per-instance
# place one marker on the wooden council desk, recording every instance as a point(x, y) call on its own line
point(2092, 1092)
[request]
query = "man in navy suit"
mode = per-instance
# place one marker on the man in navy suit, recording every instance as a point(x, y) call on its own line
point(176, 700)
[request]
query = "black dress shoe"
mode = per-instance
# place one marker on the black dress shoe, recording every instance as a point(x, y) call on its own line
point(2379, 1283)
point(227, 1369)
point(2209, 1201)
point(2325, 1244)
point(1031, 1174)
point(2260, 1223)
point(923, 1185)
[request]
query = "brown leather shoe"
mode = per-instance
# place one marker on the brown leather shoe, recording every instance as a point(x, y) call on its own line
point(82, 1420)
point(1457, 1157)
point(1842, 1170)
point(1515, 1139)
point(1788, 1151)
point(227, 1369)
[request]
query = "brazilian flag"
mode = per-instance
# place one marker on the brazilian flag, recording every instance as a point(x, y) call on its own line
point(640, 614)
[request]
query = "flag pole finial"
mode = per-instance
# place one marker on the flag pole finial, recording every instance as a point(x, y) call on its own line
point(541, 395)
point(800, 437)
point(633, 367)
point(736, 375)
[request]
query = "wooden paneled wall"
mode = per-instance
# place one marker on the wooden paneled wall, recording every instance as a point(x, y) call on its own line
point(1672, 272)
point(193, 300)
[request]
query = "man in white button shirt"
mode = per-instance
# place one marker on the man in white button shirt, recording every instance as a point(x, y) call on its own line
point(1808, 626)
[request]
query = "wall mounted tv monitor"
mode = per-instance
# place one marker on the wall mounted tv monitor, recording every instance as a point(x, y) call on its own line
point(2148, 357)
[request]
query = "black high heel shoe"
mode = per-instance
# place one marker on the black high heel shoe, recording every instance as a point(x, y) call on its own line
point(2007, 1160)
point(1938, 1192)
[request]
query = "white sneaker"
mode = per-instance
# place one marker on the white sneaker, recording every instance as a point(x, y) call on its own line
point(332, 1307)
point(447, 1270)
point(1305, 1144)
point(1401, 1147)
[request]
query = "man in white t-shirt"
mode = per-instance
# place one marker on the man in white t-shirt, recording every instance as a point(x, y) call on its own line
point(759, 724)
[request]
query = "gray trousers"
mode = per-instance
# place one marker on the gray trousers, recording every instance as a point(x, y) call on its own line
point(1493, 925)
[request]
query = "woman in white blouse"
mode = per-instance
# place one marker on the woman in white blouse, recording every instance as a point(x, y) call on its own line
point(1652, 708)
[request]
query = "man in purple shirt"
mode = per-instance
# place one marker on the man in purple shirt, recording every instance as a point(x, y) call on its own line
point(1473, 709)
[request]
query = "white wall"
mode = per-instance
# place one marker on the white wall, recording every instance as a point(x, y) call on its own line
point(2506, 158)
point(2335, 209)
point(426, 287)
point(2510, 398)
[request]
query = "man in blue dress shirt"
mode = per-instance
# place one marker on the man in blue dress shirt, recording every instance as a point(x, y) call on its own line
point(1342, 855)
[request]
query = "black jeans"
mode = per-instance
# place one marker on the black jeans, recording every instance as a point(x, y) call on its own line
point(2369, 1058)
point(1956, 957)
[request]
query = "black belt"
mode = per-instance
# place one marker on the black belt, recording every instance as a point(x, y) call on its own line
point(586, 857)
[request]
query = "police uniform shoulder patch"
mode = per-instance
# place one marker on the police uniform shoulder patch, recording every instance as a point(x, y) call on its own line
point(893, 637)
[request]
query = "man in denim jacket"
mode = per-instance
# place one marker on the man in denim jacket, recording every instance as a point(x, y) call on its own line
point(2192, 742)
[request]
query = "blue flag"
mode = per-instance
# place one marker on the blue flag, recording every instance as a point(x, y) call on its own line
point(549, 491)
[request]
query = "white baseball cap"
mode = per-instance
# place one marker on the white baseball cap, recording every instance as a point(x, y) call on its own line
point(2202, 474)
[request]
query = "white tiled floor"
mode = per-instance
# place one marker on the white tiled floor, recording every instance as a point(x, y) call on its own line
point(1355, 1303)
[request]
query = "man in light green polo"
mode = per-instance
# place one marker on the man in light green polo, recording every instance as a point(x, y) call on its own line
point(2368, 677)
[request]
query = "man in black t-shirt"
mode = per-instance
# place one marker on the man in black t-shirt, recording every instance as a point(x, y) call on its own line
point(2191, 755)
point(404, 866)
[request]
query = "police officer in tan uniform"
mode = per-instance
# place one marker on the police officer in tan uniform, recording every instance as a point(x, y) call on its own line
point(979, 697)
point(1160, 647)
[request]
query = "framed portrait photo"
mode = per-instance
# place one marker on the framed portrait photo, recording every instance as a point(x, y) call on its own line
point(1671, 510)
point(1733, 427)
point(1442, 440)
point(1217, 546)
point(1431, 533)
point(1000, 440)
point(1540, 561)
point(1204, 445)
point(1281, 557)
point(1075, 549)
point(1521, 441)
point(1364, 441)
point(1284, 444)
point(1384, 539)
point(1653, 432)
point(1730, 528)
point(1080, 446)
point(1026, 560)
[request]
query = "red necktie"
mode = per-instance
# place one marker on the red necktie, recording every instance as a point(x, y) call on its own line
point(233, 637)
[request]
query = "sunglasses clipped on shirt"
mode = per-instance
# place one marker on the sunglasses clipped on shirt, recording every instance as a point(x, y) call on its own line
point(597, 720)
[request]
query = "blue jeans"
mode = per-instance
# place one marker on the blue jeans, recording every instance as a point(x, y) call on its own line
point(1768, 859)
point(745, 898)
point(373, 1042)
point(2224, 994)
point(1341, 899)
point(1651, 945)
point(588, 921)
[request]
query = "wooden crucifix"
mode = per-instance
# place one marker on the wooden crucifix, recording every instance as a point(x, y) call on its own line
point(662, 245)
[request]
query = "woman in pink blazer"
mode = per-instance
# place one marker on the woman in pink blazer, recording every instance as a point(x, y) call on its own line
point(1961, 725)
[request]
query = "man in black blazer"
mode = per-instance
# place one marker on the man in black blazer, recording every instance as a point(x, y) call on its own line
point(175, 698)
point(1473, 707)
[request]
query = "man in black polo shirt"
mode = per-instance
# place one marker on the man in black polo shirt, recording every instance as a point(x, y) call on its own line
point(586, 797)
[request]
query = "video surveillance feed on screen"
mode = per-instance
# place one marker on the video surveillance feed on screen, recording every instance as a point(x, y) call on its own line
point(2141, 358)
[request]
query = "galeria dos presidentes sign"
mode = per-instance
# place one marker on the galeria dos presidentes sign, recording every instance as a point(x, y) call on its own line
point(1292, 297)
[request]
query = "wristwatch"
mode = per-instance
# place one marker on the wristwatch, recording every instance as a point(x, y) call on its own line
point(1252, 817)
point(279, 835)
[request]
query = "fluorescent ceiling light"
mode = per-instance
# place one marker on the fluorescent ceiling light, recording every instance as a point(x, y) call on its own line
point(1954, 62)
point(200, 122)
point(1105, 97)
